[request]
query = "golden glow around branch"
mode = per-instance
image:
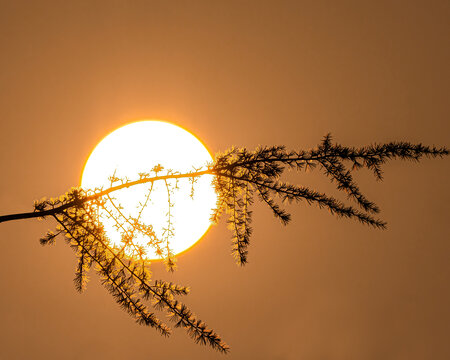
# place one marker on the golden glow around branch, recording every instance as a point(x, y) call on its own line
point(138, 148)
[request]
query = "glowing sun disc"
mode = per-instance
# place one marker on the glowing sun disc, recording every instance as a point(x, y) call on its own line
point(137, 148)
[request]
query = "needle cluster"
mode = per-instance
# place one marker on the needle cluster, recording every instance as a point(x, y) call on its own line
point(244, 175)
point(127, 278)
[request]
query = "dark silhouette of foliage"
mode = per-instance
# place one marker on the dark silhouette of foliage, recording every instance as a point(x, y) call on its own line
point(240, 177)
point(243, 174)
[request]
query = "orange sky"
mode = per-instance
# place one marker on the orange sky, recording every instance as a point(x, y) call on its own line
point(234, 73)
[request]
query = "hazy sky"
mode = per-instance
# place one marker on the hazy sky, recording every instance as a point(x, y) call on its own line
point(234, 73)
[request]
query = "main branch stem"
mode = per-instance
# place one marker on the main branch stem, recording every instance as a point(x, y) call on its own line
point(61, 208)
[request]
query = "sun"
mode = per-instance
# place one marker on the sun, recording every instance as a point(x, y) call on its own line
point(137, 148)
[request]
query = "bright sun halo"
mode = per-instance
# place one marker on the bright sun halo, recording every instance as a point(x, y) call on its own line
point(137, 148)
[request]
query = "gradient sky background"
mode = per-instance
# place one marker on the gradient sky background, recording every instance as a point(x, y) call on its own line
point(234, 73)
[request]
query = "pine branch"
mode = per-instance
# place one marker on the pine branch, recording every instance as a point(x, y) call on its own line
point(240, 177)
point(162, 297)
point(263, 168)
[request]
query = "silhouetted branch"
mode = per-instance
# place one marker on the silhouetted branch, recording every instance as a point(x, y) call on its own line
point(239, 177)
